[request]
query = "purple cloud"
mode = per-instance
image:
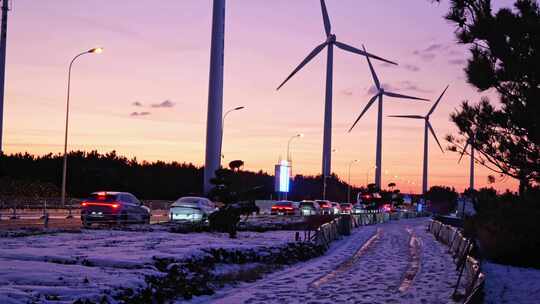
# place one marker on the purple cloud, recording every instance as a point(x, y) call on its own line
point(133, 114)
point(165, 104)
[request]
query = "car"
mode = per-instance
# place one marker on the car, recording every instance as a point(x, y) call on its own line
point(284, 208)
point(358, 208)
point(113, 208)
point(192, 209)
point(309, 208)
point(336, 208)
point(346, 208)
point(326, 206)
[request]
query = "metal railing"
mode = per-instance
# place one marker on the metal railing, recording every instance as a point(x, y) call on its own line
point(469, 268)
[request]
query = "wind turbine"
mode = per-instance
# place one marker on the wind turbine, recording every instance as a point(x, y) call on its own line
point(330, 42)
point(379, 95)
point(427, 126)
point(471, 177)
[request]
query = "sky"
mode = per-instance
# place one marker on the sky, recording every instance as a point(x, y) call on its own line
point(146, 95)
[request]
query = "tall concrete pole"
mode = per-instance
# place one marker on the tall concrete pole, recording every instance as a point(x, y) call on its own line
point(3, 42)
point(378, 156)
point(327, 136)
point(425, 168)
point(215, 95)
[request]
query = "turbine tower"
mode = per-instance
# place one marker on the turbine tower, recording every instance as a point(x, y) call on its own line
point(3, 41)
point(215, 95)
point(379, 95)
point(471, 174)
point(427, 126)
point(330, 42)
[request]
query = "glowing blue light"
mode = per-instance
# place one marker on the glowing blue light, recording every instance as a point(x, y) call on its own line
point(282, 176)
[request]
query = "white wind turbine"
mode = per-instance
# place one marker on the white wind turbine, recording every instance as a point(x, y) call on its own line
point(379, 95)
point(427, 126)
point(330, 42)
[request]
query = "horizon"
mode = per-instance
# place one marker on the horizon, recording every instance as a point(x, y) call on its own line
point(156, 65)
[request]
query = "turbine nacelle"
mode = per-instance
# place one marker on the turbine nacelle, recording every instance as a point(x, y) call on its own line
point(331, 39)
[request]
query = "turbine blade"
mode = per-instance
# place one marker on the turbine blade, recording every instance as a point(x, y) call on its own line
point(311, 55)
point(373, 74)
point(352, 49)
point(408, 116)
point(326, 19)
point(371, 101)
point(463, 152)
point(396, 95)
point(437, 102)
point(435, 136)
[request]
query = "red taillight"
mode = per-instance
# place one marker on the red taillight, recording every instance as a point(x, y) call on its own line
point(112, 204)
point(288, 208)
point(274, 207)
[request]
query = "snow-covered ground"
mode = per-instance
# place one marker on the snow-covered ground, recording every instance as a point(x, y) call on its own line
point(396, 262)
point(93, 262)
point(507, 284)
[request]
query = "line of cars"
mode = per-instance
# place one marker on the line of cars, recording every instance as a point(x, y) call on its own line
point(124, 208)
point(109, 207)
point(311, 207)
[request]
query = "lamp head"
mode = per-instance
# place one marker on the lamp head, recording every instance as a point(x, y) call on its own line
point(97, 50)
point(239, 108)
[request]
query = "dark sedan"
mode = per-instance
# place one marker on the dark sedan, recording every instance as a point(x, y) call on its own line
point(113, 208)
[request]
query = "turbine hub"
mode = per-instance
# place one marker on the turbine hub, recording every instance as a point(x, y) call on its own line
point(331, 38)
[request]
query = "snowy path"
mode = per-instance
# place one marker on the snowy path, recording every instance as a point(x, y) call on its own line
point(397, 262)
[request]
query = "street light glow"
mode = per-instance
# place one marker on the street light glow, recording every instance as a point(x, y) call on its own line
point(97, 50)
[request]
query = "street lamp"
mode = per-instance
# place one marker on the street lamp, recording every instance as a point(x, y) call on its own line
point(223, 126)
point(289, 145)
point(349, 182)
point(97, 50)
point(367, 174)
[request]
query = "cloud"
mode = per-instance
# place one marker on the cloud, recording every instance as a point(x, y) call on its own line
point(137, 104)
point(434, 47)
point(457, 61)
point(346, 92)
point(133, 114)
point(402, 86)
point(411, 67)
point(164, 104)
point(411, 86)
point(428, 53)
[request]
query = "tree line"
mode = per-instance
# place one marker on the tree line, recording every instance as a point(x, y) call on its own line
point(24, 174)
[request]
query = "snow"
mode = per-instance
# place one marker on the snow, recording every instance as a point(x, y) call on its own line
point(370, 266)
point(508, 284)
point(96, 262)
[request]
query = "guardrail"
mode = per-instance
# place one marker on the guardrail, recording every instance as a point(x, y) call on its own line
point(60, 218)
point(327, 233)
point(468, 267)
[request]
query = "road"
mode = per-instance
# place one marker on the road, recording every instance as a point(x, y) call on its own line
point(396, 262)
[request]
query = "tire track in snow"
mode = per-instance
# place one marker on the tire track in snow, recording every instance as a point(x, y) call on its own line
point(414, 265)
point(346, 265)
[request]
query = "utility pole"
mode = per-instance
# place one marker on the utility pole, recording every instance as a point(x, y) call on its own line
point(215, 95)
point(3, 42)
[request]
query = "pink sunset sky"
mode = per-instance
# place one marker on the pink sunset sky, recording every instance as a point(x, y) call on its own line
point(156, 62)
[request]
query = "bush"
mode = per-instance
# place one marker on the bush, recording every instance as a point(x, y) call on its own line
point(507, 228)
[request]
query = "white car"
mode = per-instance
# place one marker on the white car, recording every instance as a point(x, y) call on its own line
point(191, 209)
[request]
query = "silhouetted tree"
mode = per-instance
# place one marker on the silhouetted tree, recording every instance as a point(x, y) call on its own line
point(505, 56)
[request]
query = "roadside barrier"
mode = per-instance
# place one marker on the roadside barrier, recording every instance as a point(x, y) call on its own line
point(469, 268)
point(327, 233)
